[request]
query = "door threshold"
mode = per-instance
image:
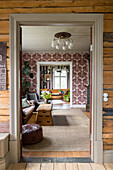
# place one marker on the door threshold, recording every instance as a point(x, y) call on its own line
point(49, 154)
point(56, 160)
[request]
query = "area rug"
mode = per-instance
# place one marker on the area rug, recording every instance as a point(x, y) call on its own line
point(70, 132)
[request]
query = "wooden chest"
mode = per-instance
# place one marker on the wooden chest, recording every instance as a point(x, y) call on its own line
point(44, 116)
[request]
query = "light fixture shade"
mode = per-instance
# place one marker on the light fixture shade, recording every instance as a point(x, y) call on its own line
point(52, 45)
point(71, 44)
point(67, 42)
point(69, 47)
point(59, 41)
point(53, 41)
point(64, 47)
point(57, 47)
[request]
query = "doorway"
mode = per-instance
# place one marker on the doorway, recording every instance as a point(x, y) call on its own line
point(39, 19)
point(55, 64)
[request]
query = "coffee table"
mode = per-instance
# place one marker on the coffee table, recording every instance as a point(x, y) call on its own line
point(43, 116)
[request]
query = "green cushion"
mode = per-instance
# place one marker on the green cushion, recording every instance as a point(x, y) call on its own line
point(24, 103)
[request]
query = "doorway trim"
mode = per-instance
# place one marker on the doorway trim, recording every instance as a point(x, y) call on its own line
point(94, 20)
point(54, 63)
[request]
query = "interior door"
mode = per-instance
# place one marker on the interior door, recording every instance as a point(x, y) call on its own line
point(20, 91)
point(90, 84)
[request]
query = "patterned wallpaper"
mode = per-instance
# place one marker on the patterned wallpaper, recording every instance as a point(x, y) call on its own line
point(80, 71)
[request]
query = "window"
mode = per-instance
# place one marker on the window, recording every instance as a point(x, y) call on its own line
point(60, 80)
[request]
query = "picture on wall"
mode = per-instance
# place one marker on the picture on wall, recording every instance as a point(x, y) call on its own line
point(3, 65)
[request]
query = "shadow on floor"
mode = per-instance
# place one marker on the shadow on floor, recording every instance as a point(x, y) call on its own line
point(60, 120)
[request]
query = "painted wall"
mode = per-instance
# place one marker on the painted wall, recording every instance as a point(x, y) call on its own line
point(80, 71)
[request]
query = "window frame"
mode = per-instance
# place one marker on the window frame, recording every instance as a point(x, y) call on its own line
point(59, 80)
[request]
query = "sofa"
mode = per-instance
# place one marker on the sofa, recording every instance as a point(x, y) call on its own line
point(27, 113)
point(35, 97)
point(30, 104)
point(56, 94)
point(27, 109)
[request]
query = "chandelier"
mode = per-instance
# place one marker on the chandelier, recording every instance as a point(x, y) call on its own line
point(60, 68)
point(62, 40)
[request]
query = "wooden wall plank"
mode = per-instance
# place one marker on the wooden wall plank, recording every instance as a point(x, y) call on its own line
point(108, 104)
point(4, 118)
point(4, 16)
point(68, 3)
point(75, 9)
point(4, 93)
point(4, 27)
point(108, 51)
point(108, 86)
point(4, 112)
point(4, 101)
point(108, 147)
point(107, 135)
point(108, 61)
point(107, 77)
point(108, 141)
point(108, 67)
point(108, 129)
point(108, 44)
point(108, 122)
point(4, 37)
point(108, 37)
point(108, 16)
point(110, 93)
point(108, 25)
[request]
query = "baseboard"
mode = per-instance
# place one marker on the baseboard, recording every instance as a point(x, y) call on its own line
point(108, 156)
point(13, 151)
point(78, 106)
point(98, 151)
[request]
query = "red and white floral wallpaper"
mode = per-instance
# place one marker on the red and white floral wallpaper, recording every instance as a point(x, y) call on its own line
point(80, 71)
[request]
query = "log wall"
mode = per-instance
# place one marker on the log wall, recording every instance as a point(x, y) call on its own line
point(67, 6)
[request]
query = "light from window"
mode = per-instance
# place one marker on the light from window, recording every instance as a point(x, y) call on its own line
point(60, 79)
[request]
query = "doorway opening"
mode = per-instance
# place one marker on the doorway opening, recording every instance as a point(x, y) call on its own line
point(59, 83)
point(59, 74)
point(96, 78)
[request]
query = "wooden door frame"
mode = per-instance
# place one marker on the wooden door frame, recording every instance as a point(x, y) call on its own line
point(94, 20)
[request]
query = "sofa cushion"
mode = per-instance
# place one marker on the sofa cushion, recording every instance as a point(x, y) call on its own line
point(28, 110)
point(24, 103)
point(33, 96)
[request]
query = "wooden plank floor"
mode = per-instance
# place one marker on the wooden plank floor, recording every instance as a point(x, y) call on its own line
point(56, 154)
point(60, 166)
